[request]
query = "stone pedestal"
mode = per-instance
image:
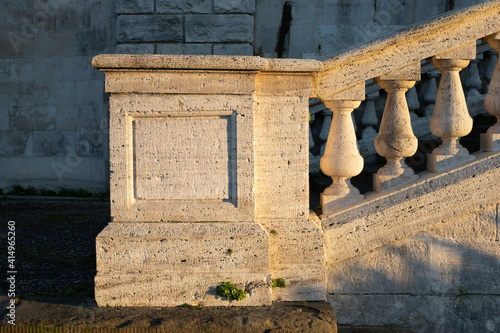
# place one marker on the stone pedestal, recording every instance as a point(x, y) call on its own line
point(208, 159)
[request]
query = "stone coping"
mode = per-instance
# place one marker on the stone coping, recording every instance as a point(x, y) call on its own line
point(203, 62)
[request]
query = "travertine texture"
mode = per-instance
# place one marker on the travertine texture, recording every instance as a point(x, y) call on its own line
point(396, 140)
point(54, 128)
point(169, 264)
point(342, 159)
point(443, 279)
point(219, 143)
point(297, 256)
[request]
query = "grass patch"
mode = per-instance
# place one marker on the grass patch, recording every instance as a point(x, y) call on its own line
point(280, 283)
point(230, 291)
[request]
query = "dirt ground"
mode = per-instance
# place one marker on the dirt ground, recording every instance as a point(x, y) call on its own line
point(55, 265)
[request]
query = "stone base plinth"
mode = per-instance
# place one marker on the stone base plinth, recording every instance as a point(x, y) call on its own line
point(382, 183)
point(490, 142)
point(438, 163)
point(297, 256)
point(332, 203)
point(169, 264)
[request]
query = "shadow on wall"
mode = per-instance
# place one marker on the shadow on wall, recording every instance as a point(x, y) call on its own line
point(446, 279)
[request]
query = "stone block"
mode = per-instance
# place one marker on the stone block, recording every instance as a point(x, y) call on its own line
point(477, 225)
point(471, 264)
point(440, 313)
point(195, 49)
point(88, 118)
point(169, 264)
point(220, 137)
point(34, 118)
point(18, 4)
point(135, 6)
point(403, 267)
point(52, 143)
point(192, 175)
point(14, 44)
point(297, 256)
point(332, 39)
point(72, 19)
point(135, 49)
point(53, 94)
point(149, 28)
point(302, 41)
point(183, 6)
point(68, 66)
point(89, 92)
point(5, 69)
point(13, 142)
point(233, 49)
point(281, 156)
point(219, 28)
point(71, 167)
point(234, 6)
point(91, 143)
point(30, 167)
point(61, 44)
point(31, 22)
point(93, 41)
point(4, 114)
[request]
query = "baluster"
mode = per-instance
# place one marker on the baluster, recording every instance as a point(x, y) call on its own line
point(450, 120)
point(413, 103)
point(342, 159)
point(431, 93)
point(396, 140)
point(490, 141)
point(370, 116)
point(473, 80)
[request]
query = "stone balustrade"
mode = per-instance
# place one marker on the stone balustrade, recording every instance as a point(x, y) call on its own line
point(209, 159)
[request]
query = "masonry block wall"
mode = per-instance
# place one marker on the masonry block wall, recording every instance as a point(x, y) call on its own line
point(54, 124)
point(220, 27)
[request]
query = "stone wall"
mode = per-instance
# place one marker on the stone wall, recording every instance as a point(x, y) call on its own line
point(52, 103)
point(445, 279)
point(218, 27)
point(320, 28)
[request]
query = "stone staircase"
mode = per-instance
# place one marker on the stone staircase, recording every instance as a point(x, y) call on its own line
point(210, 182)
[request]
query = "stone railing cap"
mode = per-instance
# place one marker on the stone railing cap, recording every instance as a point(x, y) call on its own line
point(203, 62)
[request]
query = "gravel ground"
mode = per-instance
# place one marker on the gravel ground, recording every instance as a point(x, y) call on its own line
point(55, 244)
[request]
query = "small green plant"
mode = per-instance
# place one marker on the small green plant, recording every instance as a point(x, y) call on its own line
point(230, 251)
point(318, 210)
point(461, 295)
point(274, 232)
point(305, 304)
point(186, 305)
point(280, 283)
point(230, 291)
